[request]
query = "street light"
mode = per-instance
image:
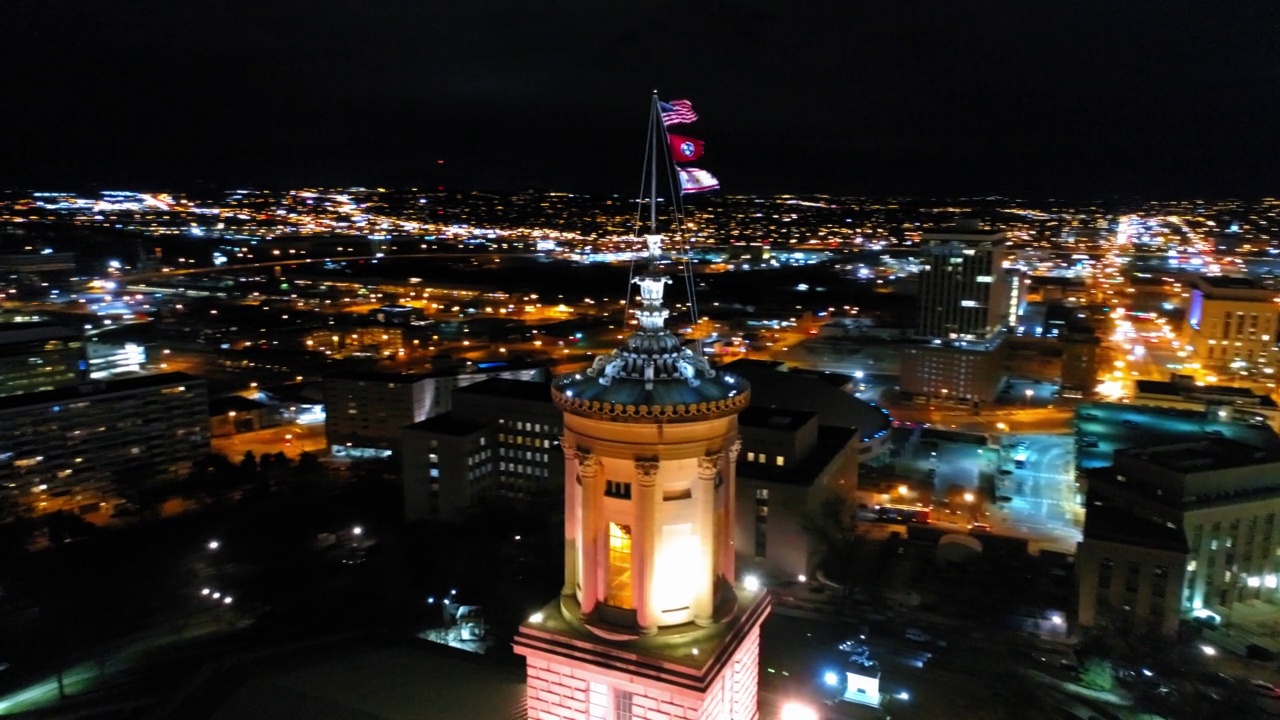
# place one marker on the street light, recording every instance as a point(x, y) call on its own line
point(751, 583)
point(798, 711)
point(968, 497)
point(213, 545)
point(1209, 650)
point(1029, 393)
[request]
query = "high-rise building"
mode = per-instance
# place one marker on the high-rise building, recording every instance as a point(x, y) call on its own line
point(366, 411)
point(79, 447)
point(37, 356)
point(1233, 324)
point(965, 290)
point(648, 623)
point(501, 441)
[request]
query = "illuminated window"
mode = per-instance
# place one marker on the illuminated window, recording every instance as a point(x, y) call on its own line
point(780, 461)
point(618, 591)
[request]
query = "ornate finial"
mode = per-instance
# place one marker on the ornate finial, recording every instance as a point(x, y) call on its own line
point(655, 247)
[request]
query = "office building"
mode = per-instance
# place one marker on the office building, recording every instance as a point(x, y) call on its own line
point(500, 441)
point(447, 466)
point(1231, 324)
point(1132, 566)
point(1217, 402)
point(79, 448)
point(828, 395)
point(366, 411)
point(38, 356)
point(1079, 376)
point(970, 372)
point(648, 622)
point(1222, 495)
point(966, 293)
point(787, 464)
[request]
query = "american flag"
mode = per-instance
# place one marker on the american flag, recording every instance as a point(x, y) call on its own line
point(677, 112)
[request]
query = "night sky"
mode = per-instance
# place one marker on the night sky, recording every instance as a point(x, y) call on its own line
point(1170, 98)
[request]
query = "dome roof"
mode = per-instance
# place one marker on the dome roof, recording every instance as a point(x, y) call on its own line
point(652, 376)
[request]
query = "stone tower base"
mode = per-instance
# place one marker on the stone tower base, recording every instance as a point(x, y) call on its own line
point(684, 673)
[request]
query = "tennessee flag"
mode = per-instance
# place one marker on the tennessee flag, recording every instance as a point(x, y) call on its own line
point(684, 149)
point(694, 180)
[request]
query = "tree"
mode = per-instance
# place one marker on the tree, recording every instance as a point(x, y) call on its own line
point(834, 529)
point(1097, 674)
point(308, 468)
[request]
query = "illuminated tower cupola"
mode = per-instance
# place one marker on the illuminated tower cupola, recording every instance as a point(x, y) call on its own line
point(649, 622)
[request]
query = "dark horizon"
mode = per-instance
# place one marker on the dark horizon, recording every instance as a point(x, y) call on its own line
point(1086, 100)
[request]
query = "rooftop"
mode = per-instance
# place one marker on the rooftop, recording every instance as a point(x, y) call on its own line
point(448, 424)
point(365, 682)
point(381, 377)
point(35, 331)
point(1111, 524)
point(774, 418)
point(1164, 387)
point(834, 379)
point(1203, 455)
point(530, 390)
point(238, 403)
point(1227, 282)
point(96, 388)
point(773, 388)
point(831, 442)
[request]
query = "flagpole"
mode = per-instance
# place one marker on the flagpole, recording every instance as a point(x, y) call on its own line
point(653, 168)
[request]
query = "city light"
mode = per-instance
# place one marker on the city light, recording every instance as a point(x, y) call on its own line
point(798, 711)
point(213, 545)
point(751, 583)
point(1209, 650)
point(831, 679)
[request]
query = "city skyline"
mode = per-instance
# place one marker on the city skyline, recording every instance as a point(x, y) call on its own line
point(1066, 101)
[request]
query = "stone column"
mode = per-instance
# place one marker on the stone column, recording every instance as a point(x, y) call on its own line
point(644, 545)
point(591, 534)
point(729, 478)
point(571, 519)
point(704, 494)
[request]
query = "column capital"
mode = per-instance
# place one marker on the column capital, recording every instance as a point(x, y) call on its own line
point(589, 464)
point(734, 449)
point(570, 452)
point(708, 466)
point(647, 472)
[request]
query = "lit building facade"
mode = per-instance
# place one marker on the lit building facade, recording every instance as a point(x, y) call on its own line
point(500, 441)
point(965, 372)
point(966, 292)
point(366, 411)
point(38, 356)
point(1232, 324)
point(1223, 496)
point(74, 448)
point(649, 623)
point(1131, 568)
